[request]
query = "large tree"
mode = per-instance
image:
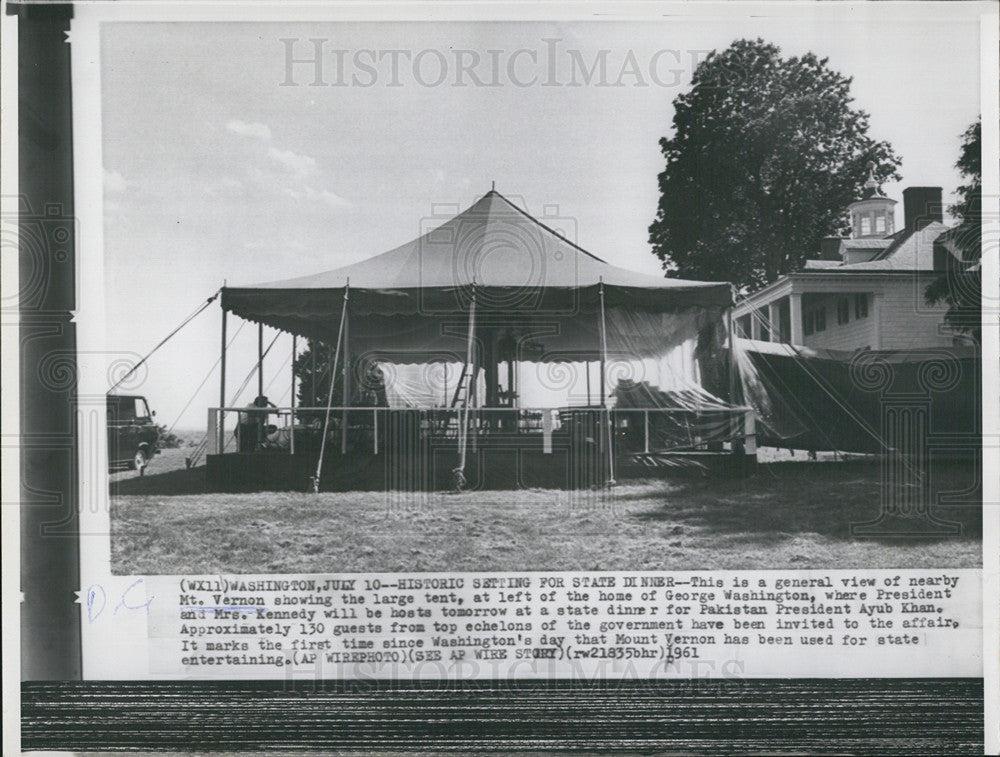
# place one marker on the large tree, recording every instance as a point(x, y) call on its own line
point(312, 369)
point(766, 154)
point(961, 285)
point(313, 374)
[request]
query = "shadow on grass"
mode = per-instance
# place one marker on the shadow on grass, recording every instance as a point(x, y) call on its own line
point(816, 498)
point(783, 499)
point(172, 482)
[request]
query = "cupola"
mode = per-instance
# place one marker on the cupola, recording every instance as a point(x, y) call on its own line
point(873, 216)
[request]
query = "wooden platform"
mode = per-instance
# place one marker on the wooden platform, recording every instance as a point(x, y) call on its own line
point(491, 466)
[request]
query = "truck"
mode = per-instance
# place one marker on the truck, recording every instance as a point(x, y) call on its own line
point(132, 434)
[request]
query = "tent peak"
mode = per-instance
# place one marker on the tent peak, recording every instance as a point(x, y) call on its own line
point(501, 247)
point(538, 223)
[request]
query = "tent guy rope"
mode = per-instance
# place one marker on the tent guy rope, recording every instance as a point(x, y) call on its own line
point(329, 397)
point(166, 339)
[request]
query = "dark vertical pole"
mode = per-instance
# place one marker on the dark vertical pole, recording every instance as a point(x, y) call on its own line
point(738, 421)
point(347, 377)
point(734, 387)
point(291, 420)
point(313, 346)
point(295, 349)
point(491, 367)
point(511, 370)
point(260, 359)
point(222, 387)
point(604, 348)
point(606, 415)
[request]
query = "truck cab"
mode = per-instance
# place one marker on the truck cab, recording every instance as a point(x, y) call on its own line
point(132, 434)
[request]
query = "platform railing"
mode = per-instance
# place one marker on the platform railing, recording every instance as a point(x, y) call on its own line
point(634, 430)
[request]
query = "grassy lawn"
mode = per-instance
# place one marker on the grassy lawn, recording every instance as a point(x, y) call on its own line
point(789, 515)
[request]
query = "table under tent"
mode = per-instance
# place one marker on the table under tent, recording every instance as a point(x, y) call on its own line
point(506, 356)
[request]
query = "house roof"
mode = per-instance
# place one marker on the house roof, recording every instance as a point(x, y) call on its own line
point(867, 244)
point(813, 265)
point(908, 252)
point(904, 252)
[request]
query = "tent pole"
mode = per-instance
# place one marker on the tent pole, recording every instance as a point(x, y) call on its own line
point(346, 393)
point(221, 443)
point(260, 359)
point(329, 394)
point(732, 357)
point(600, 386)
point(295, 349)
point(734, 391)
point(313, 346)
point(463, 430)
point(604, 411)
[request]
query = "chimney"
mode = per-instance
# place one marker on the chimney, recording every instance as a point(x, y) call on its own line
point(921, 206)
point(829, 248)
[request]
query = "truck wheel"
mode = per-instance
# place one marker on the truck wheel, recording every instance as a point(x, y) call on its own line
point(139, 461)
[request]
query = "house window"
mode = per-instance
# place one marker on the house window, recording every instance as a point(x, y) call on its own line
point(743, 327)
point(843, 310)
point(880, 224)
point(765, 326)
point(820, 319)
point(866, 225)
point(861, 306)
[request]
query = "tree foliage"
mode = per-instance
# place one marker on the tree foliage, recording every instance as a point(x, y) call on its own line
point(961, 285)
point(766, 154)
point(313, 374)
point(167, 439)
point(367, 385)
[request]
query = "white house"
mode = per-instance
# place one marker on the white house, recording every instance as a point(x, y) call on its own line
point(867, 290)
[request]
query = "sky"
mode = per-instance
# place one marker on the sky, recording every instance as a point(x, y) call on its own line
point(221, 164)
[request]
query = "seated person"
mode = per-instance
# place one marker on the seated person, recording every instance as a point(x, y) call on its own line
point(372, 390)
point(279, 439)
point(250, 432)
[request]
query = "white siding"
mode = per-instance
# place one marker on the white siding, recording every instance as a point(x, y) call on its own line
point(898, 317)
point(906, 321)
point(855, 334)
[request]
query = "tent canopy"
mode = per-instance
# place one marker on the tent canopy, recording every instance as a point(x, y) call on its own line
point(415, 299)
